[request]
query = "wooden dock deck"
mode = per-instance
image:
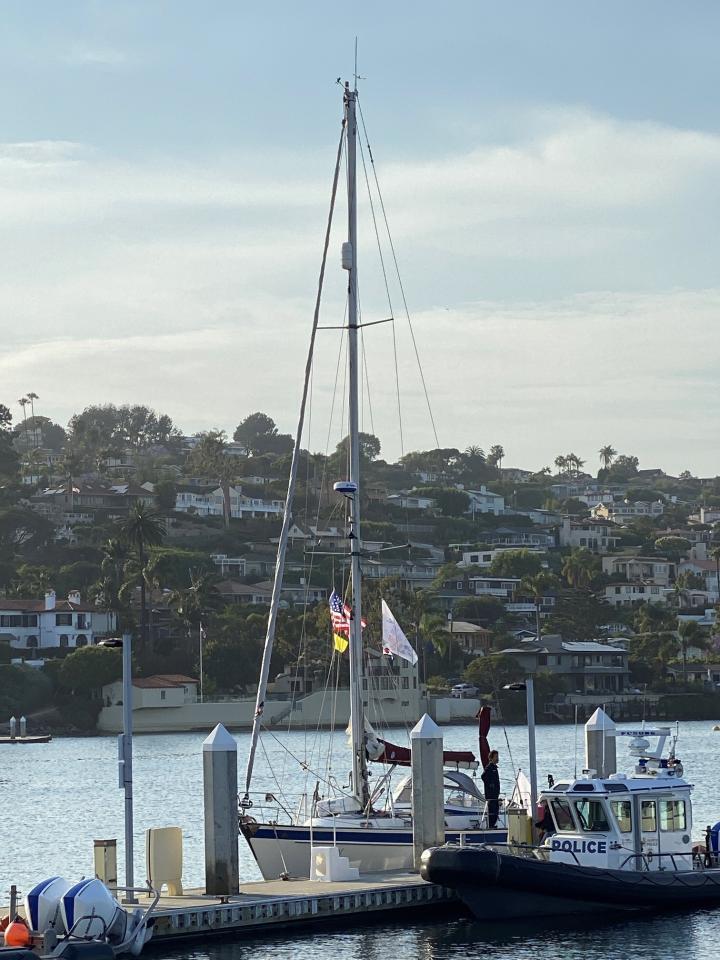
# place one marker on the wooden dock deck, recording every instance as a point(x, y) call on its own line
point(273, 904)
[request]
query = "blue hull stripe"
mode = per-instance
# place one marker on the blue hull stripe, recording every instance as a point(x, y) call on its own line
point(323, 835)
point(33, 900)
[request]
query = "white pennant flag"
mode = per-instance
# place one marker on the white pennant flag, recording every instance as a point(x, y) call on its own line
point(395, 643)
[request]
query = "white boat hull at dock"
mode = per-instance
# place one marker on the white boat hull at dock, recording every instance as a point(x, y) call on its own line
point(284, 850)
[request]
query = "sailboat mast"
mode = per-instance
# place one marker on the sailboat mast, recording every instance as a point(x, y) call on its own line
point(357, 720)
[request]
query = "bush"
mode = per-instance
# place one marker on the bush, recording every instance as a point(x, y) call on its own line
point(24, 689)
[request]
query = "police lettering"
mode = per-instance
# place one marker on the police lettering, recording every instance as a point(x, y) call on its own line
point(580, 846)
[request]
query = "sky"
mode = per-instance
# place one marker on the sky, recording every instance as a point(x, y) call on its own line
point(550, 172)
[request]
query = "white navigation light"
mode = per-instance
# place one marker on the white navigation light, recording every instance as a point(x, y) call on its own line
point(346, 487)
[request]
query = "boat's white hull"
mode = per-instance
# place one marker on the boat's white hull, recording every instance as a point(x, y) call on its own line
point(283, 850)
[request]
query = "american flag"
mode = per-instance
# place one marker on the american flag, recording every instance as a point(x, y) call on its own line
point(340, 619)
point(341, 614)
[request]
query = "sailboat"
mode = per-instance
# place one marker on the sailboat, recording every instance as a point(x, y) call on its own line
point(372, 839)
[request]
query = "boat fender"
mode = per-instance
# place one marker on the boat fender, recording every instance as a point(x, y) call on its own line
point(17, 933)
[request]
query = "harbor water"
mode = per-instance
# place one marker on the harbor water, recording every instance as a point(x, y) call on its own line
point(55, 799)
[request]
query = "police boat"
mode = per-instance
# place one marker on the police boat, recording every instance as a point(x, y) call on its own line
point(609, 845)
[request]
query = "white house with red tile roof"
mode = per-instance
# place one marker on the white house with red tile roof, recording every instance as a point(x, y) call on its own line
point(159, 690)
point(52, 623)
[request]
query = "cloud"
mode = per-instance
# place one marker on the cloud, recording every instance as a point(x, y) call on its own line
point(553, 309)
point(79, 56)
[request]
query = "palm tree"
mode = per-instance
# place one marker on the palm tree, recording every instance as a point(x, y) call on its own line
point(210, 456)
point(607, 455)
point(71, 465)
point(579, 568)
point(112, 589)
point(143, 528)
point(691, 635)
point(23, 401)
point(561, 462)
point(537, 585)
point(32, 397)
point(715, 554)
point(196, 601)
point(574, 463)
point(496, 456)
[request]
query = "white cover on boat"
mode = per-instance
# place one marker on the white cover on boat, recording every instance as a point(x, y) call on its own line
point(336, 805)
point(42, 905)
point(90, 910)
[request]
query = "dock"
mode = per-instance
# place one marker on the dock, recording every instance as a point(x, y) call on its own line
point(267, 906)
point(280, 903)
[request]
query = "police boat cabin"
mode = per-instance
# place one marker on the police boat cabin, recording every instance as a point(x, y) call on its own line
point(638, 822)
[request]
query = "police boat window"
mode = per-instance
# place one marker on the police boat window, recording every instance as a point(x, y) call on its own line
point(592, 816)
point(562, 815)
point(622, 809)
point(649, 816)
point(672, 815)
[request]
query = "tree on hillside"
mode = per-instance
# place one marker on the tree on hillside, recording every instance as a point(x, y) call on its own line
point(673, 547)
point(450, 502)
point(580, 568)
point(561, 462)
point(515, 563)
point(33, 581)
point(23, 530)
point(86, 670)
point(261, 435)
point(210, 456)
point(578, 615)
point(165, 495)
point(338, 462)
point(574, 464)
point(715, 555)
point(141, 530)
point(107, 591)
point(473, 467)
point(537, 586)
point(607, 455)
point(649, 618)
point(624, 468)
point(691, 635)
point(53, 435)
point(496, 457)
point(8, 455)
point(106, 430)
point(491, 673)
point(441, 462)
point(487, 611)
point(196, 602)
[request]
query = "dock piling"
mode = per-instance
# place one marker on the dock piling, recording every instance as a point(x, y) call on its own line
point(428, 805)
point(600, 746)
point(222, 868)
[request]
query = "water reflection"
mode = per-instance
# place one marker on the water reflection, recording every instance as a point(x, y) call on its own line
point(661, 938)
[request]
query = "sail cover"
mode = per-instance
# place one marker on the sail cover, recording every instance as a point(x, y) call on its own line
point(460, 759)
point(483, 719)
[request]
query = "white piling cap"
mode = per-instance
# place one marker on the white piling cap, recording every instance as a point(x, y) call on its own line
point(220, 740)
point(601, 721)
point(426, 729)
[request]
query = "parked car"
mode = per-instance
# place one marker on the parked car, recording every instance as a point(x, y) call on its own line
point(464, 691)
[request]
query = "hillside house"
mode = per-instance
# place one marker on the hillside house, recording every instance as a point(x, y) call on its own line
point(54, 624)
point(593, 535)
point(587, 666)
point(657, 570)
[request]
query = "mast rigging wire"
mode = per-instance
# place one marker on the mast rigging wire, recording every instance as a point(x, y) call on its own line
point(287, 516)
point(399, 278)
